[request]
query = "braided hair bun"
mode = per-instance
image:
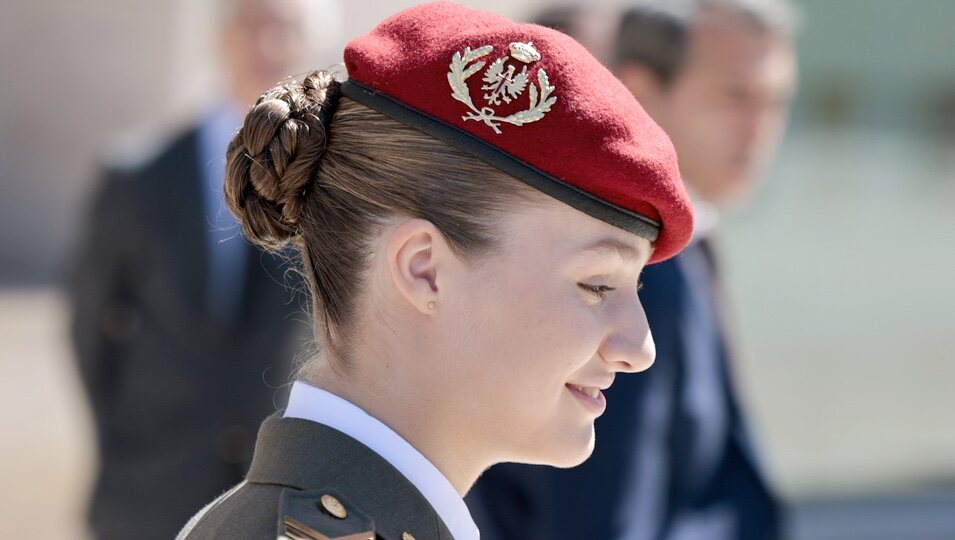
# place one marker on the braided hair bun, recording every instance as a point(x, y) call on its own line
point(272, 161)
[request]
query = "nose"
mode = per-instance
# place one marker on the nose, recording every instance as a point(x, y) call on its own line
point(629, 347)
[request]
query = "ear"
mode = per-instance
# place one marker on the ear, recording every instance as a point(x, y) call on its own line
point(642, 82)
point(416, 252)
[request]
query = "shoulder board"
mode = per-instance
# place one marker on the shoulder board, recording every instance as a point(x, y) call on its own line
point(322, 515)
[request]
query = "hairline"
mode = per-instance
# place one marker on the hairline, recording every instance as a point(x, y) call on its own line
point(681, 19)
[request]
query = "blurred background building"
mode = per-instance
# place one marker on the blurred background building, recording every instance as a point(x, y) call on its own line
point(846, 317)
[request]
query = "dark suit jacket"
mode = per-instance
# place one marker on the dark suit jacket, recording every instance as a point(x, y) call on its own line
point(644, 424)
point(296, 463)
point(176, 393)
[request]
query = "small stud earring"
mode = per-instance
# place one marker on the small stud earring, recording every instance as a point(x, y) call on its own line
point(432, 305)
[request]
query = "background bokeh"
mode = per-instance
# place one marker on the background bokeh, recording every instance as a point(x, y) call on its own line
point(842, 273)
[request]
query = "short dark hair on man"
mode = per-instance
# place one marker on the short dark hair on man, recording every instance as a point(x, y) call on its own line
point(561, 18)
point(656, 32)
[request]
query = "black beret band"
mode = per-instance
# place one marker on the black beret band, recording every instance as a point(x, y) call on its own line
point(614, 215)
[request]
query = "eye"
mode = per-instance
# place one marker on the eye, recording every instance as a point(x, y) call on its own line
point(600, 291)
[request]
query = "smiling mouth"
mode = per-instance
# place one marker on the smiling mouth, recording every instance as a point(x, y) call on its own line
point(590, 397)
point(591, 391)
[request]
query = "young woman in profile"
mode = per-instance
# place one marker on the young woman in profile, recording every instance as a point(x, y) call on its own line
point(473, 208)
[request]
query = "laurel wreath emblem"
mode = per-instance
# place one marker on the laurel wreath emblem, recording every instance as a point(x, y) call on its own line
point(501, 84)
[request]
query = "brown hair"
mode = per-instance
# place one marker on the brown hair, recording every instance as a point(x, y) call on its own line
point(323, 172)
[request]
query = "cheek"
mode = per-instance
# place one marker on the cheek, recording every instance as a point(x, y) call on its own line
point(521, 334)
point(699, 135)
point(715, 130)
point(541, 338)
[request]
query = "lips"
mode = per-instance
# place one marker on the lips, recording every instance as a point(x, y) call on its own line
point(590, 396)
point(591, 391)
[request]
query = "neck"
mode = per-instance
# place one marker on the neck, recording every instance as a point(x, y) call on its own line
point(425, 421)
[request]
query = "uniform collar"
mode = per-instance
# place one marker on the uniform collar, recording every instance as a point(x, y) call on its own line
point(310, 457)
point(310, 403)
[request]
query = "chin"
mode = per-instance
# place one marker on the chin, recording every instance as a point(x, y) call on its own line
point(570, 450)
point(732, 195)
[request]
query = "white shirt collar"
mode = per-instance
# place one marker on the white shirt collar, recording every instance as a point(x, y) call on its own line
point(706, 217)
point(310, 403)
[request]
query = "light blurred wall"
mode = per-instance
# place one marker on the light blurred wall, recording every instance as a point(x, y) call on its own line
point(878, 64)
point(74, 75)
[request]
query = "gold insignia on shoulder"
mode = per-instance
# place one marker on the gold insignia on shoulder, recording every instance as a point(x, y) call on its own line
point(406, 536)
point(296, 530)
point(334, 507)
point(502, 82)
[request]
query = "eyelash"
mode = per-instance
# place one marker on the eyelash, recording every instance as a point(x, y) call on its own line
point(601, 291)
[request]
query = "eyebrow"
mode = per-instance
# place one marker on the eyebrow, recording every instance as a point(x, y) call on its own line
point(625, 250)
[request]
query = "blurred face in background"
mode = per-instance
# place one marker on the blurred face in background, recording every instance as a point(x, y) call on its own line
point(264, 41)
point(726, 108)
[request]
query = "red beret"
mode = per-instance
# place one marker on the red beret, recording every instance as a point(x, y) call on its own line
point(532, 102)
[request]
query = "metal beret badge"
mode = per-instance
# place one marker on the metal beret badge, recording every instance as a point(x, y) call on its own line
point(502, 81)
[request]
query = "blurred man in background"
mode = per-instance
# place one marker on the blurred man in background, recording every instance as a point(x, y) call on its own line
point(593, 26)
point(674, 459)
point(176, 318)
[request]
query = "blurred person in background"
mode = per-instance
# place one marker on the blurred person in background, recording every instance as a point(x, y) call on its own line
point(178, 322)
point(675, 458)
point(593, 26)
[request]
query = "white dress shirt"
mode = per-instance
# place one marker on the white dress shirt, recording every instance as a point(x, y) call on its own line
point(310, 403)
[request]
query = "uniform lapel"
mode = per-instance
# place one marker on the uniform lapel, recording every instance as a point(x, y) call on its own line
point(176, 203)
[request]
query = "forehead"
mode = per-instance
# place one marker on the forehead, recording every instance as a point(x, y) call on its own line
point(732, 47)
point(552, 229)
point(262, 12)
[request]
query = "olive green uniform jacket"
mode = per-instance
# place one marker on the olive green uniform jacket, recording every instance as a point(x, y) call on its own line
point(308, 480)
